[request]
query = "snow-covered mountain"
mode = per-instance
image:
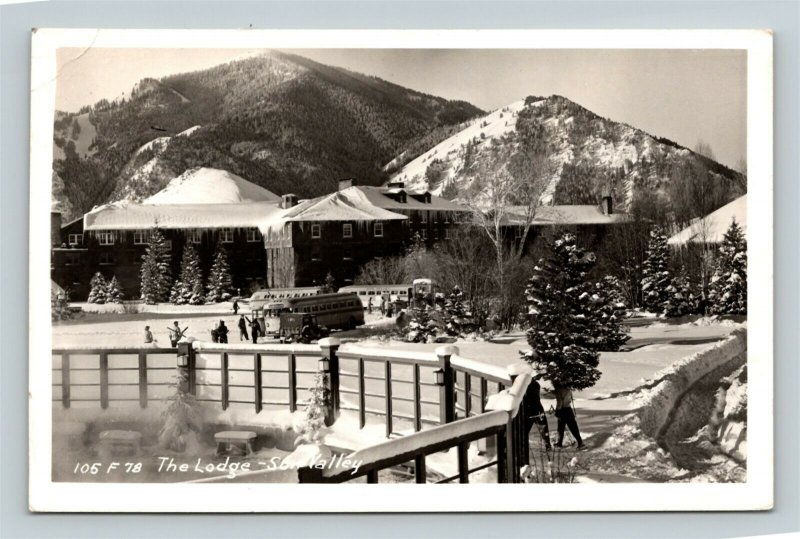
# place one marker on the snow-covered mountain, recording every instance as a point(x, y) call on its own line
point(587, 154)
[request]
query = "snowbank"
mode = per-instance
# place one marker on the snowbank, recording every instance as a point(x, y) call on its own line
point(658, 403)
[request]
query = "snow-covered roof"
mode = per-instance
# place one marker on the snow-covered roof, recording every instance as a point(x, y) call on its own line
point(210, 186)
point(564, 215)
point(712, 227)
point(378, 197)
point(127, 216)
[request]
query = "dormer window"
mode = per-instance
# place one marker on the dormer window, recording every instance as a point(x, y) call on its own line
point(105, 238)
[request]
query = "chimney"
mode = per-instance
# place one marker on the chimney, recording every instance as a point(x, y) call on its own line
point(344, 184)
point(55, 228)
point(288, 201)
point(607, 205)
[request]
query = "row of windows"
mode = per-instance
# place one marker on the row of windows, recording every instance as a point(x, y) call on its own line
point(347, 230)
point(325, 307)
point(142, 237)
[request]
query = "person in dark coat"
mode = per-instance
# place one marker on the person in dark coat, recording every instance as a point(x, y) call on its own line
point(235, 307)
point(535, 414)
point(243, 329)
point(222, 332)
point(255, 329)
point(566, 415)
point(148, 335)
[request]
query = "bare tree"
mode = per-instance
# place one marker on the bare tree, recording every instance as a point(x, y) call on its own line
point(704, 148)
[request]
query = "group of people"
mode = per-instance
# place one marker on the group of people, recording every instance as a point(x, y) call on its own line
point(255, 328)
point(175, 334)
point(564, 412)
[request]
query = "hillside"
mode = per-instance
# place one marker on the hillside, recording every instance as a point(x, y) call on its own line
point(283, 122)
point(587, 155)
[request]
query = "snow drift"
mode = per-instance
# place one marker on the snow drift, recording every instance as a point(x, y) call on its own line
point(210, 186)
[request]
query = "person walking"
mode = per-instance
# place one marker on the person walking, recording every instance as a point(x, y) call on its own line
point(215, 333)
point(535, 414)
point(148, 335)
point(222, 332)
point(243, 329)
point(235, 307)
point(566, 415)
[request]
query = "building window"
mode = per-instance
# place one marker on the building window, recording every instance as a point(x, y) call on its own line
point(378, 230)
point(316, 255)
point(226, 235)
point(106, 259)
point(436, 234)
point(347, 254)
point(424, 234)
point(446, 218)
point(168, 244)
point(347, 230)
point(316, 231)
point(105, 238)
point(195, 236)
point(253, 235)
point(518, 232)
point(423, 217)
point(73, 259)
point(447, 233)
point(76, 239)
point(140, 237)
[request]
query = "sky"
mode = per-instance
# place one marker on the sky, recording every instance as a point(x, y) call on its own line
point(683, 95)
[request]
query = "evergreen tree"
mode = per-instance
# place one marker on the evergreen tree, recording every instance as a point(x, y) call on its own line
point(219, 278)
point(59, 304)
point(181, 416)
point(655, 273)
point(568, 323)
point(312, 430)
point(422, 326)
point(457, 318)
point(115, 292)
point(329, 286)
point(728, 290)
point(188, 289)
point(155, 272)
point(681, 299)
point(98, 292)
point(610, 304)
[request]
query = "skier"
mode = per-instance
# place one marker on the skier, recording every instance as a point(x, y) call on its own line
point(566, 415)
point(148, 335)
point(235, 307)
point(255, 329)
point(222, 332)
point(243, 329)
point(175, 333)
point(534, 413)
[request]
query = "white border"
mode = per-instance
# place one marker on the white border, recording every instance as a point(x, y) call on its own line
point(755, 494)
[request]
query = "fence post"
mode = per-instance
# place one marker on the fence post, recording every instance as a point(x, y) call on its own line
point(329, 347)
point(65, 389)
point(521, 424)
point(142, 379)
point(446, 384)
point(104, 380)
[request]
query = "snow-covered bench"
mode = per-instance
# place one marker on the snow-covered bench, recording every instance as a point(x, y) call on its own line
point(117, 440)
point(235, 438)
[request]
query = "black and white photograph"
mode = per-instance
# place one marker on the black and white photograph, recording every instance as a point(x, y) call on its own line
point(285, 260)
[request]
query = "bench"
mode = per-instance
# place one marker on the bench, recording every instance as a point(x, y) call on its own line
point(239, 439)
point(118, 440)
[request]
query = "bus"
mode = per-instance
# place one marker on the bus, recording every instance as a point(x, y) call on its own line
point(333, 311)
point(373, 293)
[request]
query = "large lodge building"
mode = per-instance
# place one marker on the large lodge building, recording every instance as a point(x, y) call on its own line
point(271, 241)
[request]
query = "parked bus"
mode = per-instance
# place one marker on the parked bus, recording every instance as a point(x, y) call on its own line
point(333, 311)
point(374, 293)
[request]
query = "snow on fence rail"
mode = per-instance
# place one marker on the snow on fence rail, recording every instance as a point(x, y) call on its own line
point(406, 390)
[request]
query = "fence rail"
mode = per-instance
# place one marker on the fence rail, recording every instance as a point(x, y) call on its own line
point(410, 393)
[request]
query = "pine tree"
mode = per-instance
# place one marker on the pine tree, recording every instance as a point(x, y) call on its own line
point(312, 430)
point(728, 290)
point(181, 416)
point(567, 328)
point(457, 318)
point(655, 272)
point(422, 326)
point(329, 286)
point(155, 272)
point(115, 292)
point(681, 299)
point(98, 292)
point(219, 278)
point(188, 288)
point(610, 305)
